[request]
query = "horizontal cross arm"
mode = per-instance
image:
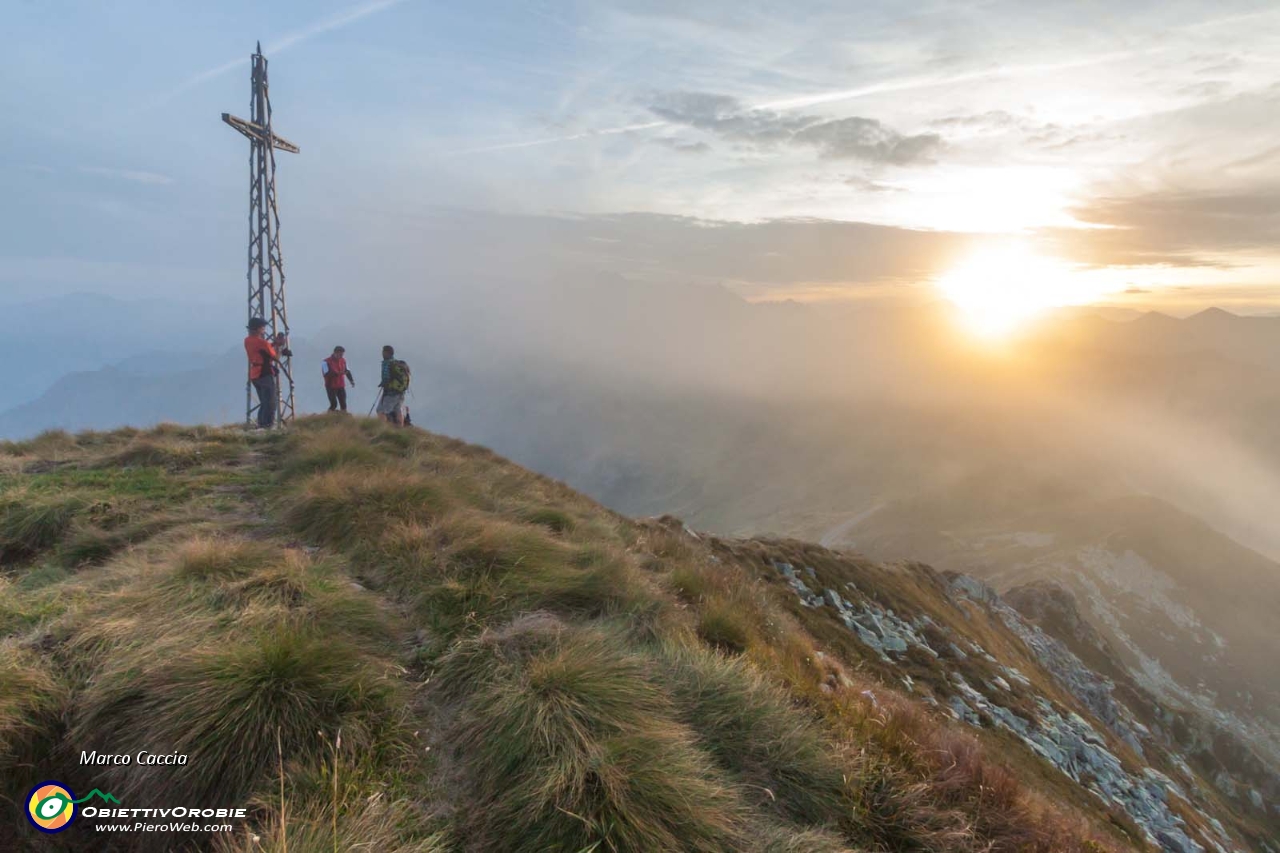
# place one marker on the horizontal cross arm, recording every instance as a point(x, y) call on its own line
point(282, 144)
point(257, 133)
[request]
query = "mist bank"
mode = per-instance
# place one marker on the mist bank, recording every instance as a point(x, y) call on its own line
point(751, 417)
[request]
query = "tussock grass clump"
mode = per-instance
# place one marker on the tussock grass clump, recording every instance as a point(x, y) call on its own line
point(570, 745)
point(753, 730)
point(148, 452)
point(31, 704)
point(305, 827)
point(893, 810)
point(31, 523)
point(555, 520)
point(225, 706)
point(222, 558)
point(470, 568)
point(724, 626)
point(733, 615)
point(89, 545)
point(170, 447)
point(689, 582)
point(313, 593)
point(22, 610)
point(493, 568)
point(338, 445)
point(50, 443)
point(405, 556)
point(346, 506)
point(203, 433)
point(954, 776)
point(775, 839)
point(379, 432)
point(480, 544)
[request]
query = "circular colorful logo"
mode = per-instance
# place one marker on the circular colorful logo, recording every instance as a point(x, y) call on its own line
point(51, 806)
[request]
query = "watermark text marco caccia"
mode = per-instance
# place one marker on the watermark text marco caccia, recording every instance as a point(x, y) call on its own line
point(142, 758)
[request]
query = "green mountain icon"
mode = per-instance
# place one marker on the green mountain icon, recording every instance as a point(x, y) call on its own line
point(110, 798)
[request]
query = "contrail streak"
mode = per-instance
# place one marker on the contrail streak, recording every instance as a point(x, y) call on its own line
point(324, 25)
point(796, 102)
point(913, 83)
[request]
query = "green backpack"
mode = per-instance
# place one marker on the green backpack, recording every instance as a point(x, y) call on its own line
point(397, 378)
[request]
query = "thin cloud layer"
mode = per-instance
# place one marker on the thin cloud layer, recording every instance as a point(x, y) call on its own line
point(855, 137)
point(134, 175)
point(1174, 228)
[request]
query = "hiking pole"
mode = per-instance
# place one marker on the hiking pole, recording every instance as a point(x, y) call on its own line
point(376, 400)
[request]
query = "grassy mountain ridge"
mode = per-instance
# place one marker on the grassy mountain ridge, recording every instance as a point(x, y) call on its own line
point(394, 639)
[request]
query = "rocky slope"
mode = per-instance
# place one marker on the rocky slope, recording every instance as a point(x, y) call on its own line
point(1174, 612)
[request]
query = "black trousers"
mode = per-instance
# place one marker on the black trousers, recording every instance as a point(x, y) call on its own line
point(265, 385)
point(337, 398)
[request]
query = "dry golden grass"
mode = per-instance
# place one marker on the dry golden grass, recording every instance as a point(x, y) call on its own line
point(32, 701)
point(371, 824)
point(570, 743)
point(221, 558)
point(592, 685)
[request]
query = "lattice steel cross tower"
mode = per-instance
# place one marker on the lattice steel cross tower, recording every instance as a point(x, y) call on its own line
point(266, 267)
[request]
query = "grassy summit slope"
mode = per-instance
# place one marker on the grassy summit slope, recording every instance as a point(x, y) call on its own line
point(388, 640)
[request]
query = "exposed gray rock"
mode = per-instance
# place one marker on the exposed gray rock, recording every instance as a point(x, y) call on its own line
point(963, 712)
point(1074, 746)
point(973, 588)
point(1061, 737)
point(808, 597)
point(894, 643)
point(1092, 690)
point(1015, 675)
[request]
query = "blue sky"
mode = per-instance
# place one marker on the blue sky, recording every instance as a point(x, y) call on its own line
point(1136, 143)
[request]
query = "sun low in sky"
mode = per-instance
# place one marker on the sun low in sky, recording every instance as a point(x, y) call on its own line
point(998, 289)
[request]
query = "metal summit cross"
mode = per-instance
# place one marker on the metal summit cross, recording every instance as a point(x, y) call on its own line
point(266, 267)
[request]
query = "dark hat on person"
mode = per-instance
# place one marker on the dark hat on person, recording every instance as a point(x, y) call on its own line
point(257, 323)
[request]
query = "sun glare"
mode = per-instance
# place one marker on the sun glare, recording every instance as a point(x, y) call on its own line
point(999, 289)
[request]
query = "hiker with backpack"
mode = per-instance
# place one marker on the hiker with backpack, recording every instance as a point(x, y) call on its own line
point(394, 384)
point(264, 361)
point(335, 372)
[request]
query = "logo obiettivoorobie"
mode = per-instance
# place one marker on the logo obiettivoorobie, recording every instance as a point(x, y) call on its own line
point(51, 806)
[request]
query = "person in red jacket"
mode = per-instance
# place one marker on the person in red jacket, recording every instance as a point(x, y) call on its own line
point(335, 372)
point(262, 358)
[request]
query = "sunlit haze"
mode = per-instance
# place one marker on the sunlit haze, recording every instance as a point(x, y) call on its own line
point(999, 288)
